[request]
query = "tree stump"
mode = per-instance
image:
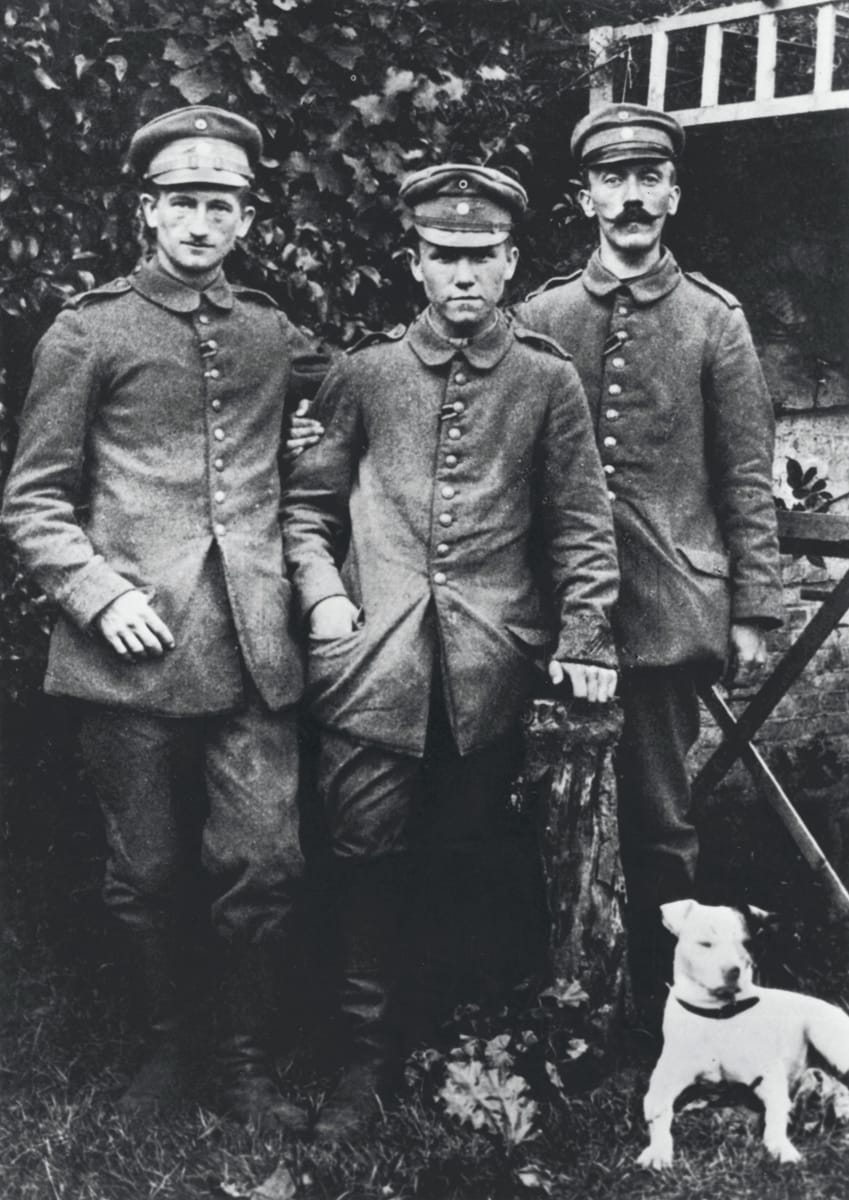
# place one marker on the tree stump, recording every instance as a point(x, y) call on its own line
point(570, 783)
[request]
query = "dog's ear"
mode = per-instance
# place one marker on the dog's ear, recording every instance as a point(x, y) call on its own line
point(675, 913)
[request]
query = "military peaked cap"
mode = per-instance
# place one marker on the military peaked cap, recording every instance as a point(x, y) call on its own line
point(197, 144)
point(463, 204)
point(616, 132)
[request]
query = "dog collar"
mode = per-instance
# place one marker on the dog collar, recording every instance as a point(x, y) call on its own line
point(721, 1014)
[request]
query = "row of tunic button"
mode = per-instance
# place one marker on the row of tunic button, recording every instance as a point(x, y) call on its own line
point(208, 349)
point(615, 343)
point(450, 410)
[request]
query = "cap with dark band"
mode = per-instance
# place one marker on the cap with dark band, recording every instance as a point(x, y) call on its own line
point(463, 204)
point(616, 132)
point(198, 144)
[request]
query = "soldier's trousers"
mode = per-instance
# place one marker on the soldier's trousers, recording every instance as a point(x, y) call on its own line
point(198, 804)
point(472, 892)
point(658, 839)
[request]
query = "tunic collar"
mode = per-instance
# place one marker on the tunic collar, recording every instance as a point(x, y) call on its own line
point(157, 285)
point(483, 352)
point(644, 289)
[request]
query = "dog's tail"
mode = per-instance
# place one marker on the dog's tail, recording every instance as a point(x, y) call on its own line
point(827, 1029)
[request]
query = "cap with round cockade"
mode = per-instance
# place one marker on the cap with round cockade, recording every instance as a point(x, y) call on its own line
point(463, 204)
point(198, 144)
point(616, 132)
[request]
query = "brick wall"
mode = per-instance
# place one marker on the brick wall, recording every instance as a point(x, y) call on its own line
point(818, 703)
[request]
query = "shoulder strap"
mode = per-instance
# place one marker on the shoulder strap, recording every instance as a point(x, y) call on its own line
point(709, 286)
point(106, 291)
point(377, 336)
point(555, 281)
point(246, 293)
point(541, 341)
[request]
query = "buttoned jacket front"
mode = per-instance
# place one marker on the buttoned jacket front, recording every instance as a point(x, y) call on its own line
point(148, 458)
point(440, 468)
point(685, 429)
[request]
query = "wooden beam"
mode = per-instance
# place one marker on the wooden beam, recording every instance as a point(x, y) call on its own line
point(813, 533)
point(712, 68)
point(601, 76)
point(772, 791)
point(786, 106)
point(788, 670)
point(731, 12)
point(824, 62)
point(767, 53)
point(657, 70)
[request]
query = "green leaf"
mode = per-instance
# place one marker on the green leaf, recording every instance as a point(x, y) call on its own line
point(244, 46)
point(119, 65)
point(255, 82)
point(196, 84)
point(280, 1185)
point(344, 56)
point(183, 56)
point(794, 473)
point(47, 82)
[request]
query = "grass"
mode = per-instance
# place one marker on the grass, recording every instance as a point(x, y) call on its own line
point(66, 1052)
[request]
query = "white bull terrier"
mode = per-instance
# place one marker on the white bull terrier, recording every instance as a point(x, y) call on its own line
point(718, 1026)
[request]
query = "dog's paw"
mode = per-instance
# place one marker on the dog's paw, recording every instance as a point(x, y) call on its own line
point(656, 1158)
point(784, 1151)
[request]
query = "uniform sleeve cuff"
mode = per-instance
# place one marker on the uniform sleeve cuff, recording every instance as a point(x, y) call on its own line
point(757, 606)
point(93, 588)
point(323, 581)
point(587, 639)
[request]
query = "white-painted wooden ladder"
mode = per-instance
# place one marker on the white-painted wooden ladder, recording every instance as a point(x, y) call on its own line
point(831, 22)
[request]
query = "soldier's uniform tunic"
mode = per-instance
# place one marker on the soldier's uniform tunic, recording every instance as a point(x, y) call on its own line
point(684, 426)
point(439, 469)
point(148, 459)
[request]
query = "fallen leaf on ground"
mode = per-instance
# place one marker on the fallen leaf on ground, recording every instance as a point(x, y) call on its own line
point(280, 1185)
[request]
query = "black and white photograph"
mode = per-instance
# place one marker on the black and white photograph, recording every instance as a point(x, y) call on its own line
point(424, 599)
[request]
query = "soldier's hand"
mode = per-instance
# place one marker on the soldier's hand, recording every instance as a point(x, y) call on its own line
point(596, 684)
point(303, 431)
point(746, 652)
point(333, 617)
point(132, 628)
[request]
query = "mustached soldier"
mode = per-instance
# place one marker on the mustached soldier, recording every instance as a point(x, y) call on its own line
point(685, 430)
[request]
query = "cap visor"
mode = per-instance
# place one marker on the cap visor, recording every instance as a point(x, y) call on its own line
point(628, 153)
point(472, 238)
point(200, 178)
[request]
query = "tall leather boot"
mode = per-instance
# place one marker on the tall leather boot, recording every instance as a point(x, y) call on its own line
point(651, 950)
point(370, 916)
point(248, 1091)
point(161, 1082)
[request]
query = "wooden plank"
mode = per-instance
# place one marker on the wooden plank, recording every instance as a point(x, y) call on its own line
point(712, 65)
point(767, 53)
point(772, 791)
point(657, 70)
point(601, 76)
point(824, 62)
point(731, 12)
point(786, 106)
point(787, 671)
point(813, 533)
